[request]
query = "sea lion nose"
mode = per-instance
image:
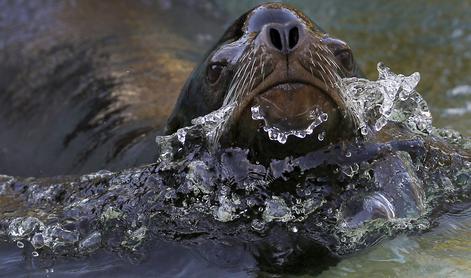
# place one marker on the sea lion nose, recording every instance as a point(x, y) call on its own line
point(282, 37)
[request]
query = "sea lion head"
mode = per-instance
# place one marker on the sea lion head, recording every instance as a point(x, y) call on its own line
point(282, 71)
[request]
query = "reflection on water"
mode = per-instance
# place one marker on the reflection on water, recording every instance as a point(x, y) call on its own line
point(155, 45)
point(98, 75)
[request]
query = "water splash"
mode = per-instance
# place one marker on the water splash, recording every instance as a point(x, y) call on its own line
point(280, 134)
point(392, 98)
point(276, 209)
point(372, 104)
point(198, 190)
point(206, 130)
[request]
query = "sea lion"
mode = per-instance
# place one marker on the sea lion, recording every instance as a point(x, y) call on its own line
point(224, 196)
point(283, 71)
point(277, 61)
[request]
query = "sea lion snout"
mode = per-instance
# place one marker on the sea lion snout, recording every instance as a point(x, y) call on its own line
point(284, 38)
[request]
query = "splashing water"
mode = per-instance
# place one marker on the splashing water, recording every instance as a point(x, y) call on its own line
point(373, 104)
point(392, 98)
point(196, 189)
point(207, 128)
point(280, 134)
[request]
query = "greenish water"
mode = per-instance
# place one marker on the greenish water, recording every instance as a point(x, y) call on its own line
point(432, 37)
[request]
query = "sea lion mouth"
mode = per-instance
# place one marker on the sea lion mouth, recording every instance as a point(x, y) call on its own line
point(292, 106)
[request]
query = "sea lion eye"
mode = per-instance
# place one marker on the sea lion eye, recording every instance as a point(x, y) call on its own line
point(345, 57)
point(214, 72)
point(342, 52)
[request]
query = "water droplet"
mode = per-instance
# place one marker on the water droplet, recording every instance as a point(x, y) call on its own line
point(294, 229)
point(348, 154)
point(380, 123)
point(258, 225)
point(181, 135)
point(35, 254)
point(256, 114)
point(324, 117)
point(321, 136)
point(20, 244)
point(348, 171)
point(281, 130)
point(364, 131)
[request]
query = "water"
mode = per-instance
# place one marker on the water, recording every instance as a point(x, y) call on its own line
point(196, 188)
point(430, 37)
point(444, 252)
point(281, 131)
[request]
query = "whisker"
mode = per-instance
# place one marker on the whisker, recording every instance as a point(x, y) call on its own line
point(241, 90)
point(322, 76)
point(239, 78)
point(252, 74)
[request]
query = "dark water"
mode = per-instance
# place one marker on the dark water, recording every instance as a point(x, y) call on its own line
point(148, 48)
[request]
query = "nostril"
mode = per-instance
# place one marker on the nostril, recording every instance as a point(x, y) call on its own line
point(275, 38)
point(293, 37)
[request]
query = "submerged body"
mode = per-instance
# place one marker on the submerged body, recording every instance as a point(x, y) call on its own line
point(300, 172)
